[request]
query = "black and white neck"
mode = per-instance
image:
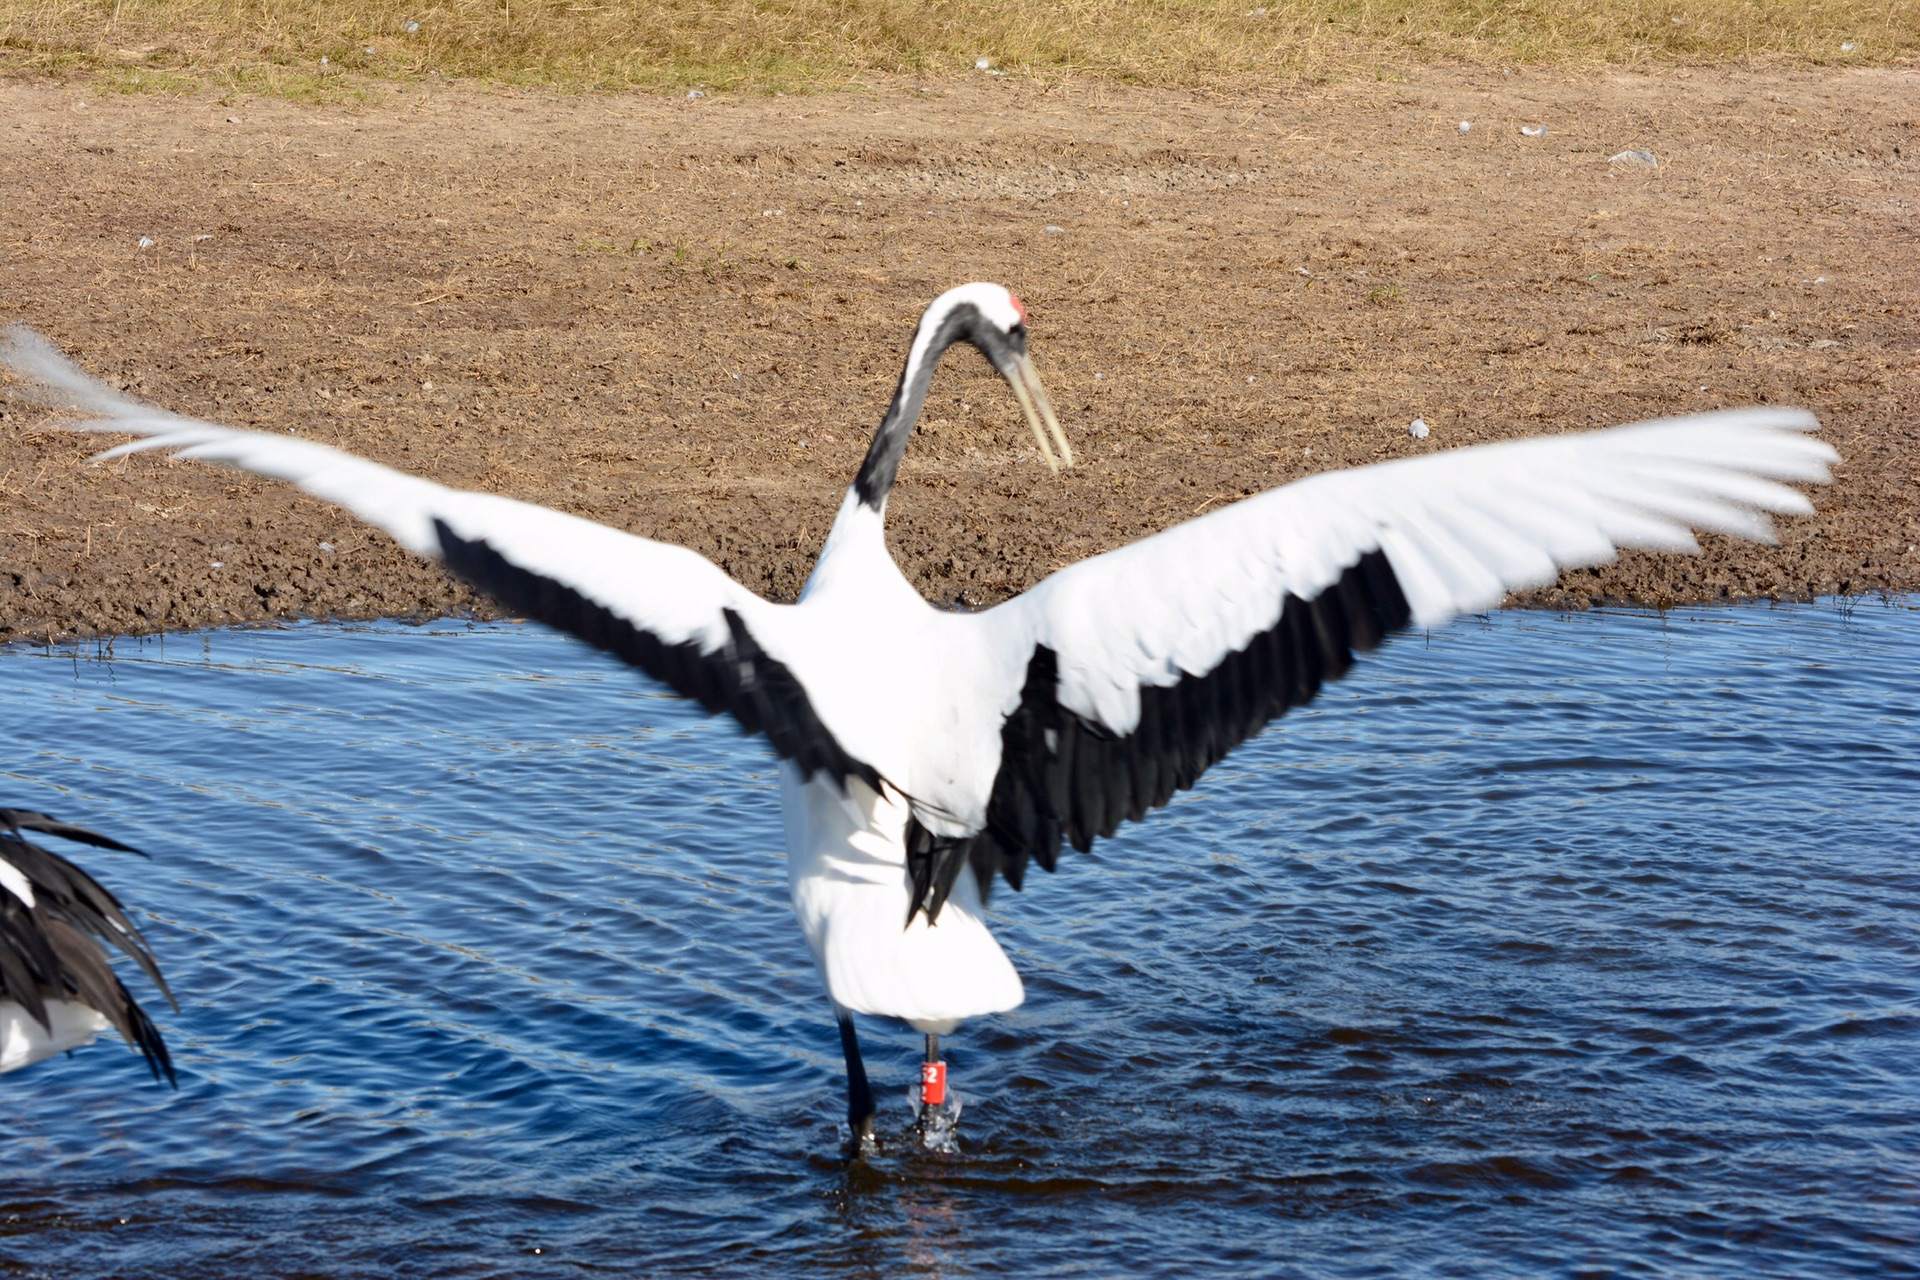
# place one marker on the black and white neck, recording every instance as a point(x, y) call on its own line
point(990, 318)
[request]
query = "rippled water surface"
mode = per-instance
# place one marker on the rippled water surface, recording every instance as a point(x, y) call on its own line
point(1542, 945)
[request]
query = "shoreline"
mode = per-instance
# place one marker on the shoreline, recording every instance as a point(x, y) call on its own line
point(683, 318)
point(99, 646)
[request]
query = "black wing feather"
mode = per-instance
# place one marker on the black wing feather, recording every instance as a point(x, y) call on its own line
point(1064, 778)
point(739, 678)
point(51, 950)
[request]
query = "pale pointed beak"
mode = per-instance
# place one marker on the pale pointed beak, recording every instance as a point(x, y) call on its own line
point(1033, 402)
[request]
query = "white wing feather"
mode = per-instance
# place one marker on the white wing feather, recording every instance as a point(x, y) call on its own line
point(668, 590)
point(1461, 530)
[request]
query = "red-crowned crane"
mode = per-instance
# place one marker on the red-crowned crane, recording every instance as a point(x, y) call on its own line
point(925, 752)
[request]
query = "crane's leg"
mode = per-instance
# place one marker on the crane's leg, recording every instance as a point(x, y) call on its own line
point(859, 1093)
point(933, 1085)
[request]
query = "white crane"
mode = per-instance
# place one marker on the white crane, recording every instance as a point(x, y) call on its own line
point(57, 991)
point(923, 751)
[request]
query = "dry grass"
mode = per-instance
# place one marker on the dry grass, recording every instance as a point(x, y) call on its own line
point(278, 46)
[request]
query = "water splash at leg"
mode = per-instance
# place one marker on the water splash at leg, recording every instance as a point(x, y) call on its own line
point(936, 1108)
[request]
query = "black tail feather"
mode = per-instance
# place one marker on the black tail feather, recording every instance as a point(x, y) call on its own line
point(52, 949)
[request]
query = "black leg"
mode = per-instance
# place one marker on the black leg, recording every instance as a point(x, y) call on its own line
point(933, 1085)
point(859, 1093)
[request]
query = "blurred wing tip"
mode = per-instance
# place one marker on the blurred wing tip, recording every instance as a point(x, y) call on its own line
point(54, 380)
point(120, 450)
point(1788, 419)
point(30, 355)
point(20, 344)
point(1768, 417)
point(1758, 420)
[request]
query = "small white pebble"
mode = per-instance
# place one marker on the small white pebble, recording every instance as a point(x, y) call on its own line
point(1302, 271)
point(981, 64)
point(146, 242)
point(1846, 46)
point(1249, 381)
point(326, 546)
point(219, 564)
point(1534, 130)
point(1466, 126)
point(1703, 388)
point(859, 204)
point(368, 50)
point(412, 27)
point(426, 386)
point(233, 119)
point(1055, 230)
point(695, 93)
point(203, 238)
point(1418, 429)
point(1098, 376)
point(323, 59)
point(1309, 452)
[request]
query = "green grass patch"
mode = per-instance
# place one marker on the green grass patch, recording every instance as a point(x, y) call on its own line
point(277, 46)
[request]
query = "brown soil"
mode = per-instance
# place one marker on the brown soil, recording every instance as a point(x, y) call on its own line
point(682, 316)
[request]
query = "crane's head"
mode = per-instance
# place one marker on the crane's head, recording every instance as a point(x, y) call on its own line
point(993, 320)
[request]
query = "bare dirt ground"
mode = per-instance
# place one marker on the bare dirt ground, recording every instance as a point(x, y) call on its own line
point(683, 317)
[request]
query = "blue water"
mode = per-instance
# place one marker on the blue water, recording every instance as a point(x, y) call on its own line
point(1542, 945)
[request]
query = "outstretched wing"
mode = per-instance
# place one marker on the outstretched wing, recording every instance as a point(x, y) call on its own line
point(1128, 674)
point(666, 610)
